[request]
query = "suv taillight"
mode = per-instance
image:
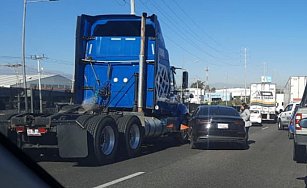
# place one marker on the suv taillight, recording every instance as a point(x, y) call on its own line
point(20, 129)
point(298, 118)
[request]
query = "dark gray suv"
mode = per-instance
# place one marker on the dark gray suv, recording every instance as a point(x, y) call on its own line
point(300, 131)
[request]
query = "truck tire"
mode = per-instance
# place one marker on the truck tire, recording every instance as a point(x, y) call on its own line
point(299, 153)
point(182, 137)
point(103, 135)
point(131, 135)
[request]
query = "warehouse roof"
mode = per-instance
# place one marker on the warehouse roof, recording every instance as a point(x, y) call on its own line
point(12, 80)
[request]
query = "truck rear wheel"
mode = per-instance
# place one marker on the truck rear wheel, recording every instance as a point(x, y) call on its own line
point(104, 140)
point(131, 132)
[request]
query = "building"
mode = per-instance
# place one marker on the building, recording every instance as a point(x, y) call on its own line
point(55, 89)
point(48, 82)
point(235, 92)
point(200, 96)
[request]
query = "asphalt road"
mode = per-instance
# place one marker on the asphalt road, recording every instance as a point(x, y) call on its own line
point(267, 163)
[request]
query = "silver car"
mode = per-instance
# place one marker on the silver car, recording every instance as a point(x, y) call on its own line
point(284, 117)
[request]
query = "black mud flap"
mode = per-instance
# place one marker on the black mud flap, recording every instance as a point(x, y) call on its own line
point(72, 141)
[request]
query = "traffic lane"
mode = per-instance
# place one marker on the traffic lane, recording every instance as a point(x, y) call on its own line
point(267, 163)
point(154, 156)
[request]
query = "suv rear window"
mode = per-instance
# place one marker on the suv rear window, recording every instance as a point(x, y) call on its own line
point(212, 110)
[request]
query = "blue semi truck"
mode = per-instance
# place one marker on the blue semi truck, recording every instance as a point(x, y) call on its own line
point(124, 93)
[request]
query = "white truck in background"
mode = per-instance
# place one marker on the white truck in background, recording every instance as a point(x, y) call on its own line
point(263, 98)
point(280, 100)
point(294, 89)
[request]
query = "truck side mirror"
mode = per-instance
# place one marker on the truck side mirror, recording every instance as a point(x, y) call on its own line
point(185, 80)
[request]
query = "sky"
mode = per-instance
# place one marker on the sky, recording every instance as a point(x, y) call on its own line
point(198, 34)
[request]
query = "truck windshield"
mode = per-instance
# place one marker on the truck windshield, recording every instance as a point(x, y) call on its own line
point(266, 93)
point(122, 28)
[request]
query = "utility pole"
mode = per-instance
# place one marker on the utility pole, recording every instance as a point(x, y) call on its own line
point(197, 91)
point(265, 70)
point(245, 75)
point(38, 59)
point(23, 52)
point(226, 89)
point(207, 77)
point(207, 83)
point(23, 46)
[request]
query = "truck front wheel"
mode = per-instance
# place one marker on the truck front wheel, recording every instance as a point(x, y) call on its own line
point(182, 137)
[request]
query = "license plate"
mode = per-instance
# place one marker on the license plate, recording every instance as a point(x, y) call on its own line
point(33, 132)
point(222, 126)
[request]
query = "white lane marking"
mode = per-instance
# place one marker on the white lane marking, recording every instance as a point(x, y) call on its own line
point(120, 180)
point(265, 128)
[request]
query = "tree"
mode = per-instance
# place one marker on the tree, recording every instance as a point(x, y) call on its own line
point(198, 84)
point(207, 88)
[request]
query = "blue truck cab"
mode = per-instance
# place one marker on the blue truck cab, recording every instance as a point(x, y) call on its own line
point(107, 62)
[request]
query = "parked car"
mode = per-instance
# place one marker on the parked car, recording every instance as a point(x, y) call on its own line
point(255, 117)
point(300, 131)
point(216, 124)
point(291, 123)
point(283, 118)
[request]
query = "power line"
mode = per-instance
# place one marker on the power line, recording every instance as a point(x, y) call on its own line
point(121, 4)
point(194, 34)
point(179, 30)
point(188, 28)
point(182, 34)
point(197, 25)
point(57, 61)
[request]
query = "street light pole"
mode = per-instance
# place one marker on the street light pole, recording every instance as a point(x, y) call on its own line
point(245, 75)
point(23, 51)
point(23, 46)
